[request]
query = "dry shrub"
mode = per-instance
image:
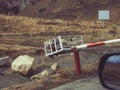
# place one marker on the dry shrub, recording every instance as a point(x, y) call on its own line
point(113, 32)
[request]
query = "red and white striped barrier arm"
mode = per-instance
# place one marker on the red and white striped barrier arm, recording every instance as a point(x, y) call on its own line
point(97, 43)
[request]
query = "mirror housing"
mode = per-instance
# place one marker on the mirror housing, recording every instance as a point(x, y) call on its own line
point(109, 71)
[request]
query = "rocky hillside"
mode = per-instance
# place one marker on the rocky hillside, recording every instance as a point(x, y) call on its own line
point(15, 6)
point(61, 9)
point(73, 9)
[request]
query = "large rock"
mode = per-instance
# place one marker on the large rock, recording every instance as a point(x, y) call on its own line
point(22, 64)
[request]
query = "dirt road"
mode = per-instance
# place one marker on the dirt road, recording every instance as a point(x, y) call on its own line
point(90, 83)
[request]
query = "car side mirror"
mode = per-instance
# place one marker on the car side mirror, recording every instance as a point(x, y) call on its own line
point(109, 71)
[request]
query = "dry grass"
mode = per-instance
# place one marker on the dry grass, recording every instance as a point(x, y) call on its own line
point(16, 25)
point(25, 25)
point(16, 50)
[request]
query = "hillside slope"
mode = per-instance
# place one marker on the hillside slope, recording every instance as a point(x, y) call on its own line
point(16, 25)
point(13, 7)
point(71, 9)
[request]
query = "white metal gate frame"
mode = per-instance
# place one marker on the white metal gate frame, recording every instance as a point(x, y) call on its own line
point(52, 45)
point(62, 48)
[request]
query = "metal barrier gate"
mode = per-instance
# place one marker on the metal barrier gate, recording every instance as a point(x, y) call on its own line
point(62, 44)
point(58, 45)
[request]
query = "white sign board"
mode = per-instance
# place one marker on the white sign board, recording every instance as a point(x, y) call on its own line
point(103, 14)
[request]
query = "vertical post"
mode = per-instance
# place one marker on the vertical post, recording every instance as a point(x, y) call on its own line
point(55, 44)
point(82, 39)
point(60, 40)
point(45, 48)
point(77, 61)
point(68, 11)
point(50, 46)
point(103, 26)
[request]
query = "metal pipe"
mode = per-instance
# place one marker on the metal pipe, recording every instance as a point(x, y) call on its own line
point(76, 52)
point(60, 40)
point(77, 61)
point(97, 43)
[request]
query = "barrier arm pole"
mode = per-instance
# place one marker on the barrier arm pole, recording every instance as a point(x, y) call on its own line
point(97, 43)
point(76, 51)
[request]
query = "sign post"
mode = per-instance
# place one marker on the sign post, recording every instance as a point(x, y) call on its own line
point(103, 15)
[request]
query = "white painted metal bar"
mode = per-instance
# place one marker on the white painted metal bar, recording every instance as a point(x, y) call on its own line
point(55, 44)
point(50, 46)
point(112, 41)
point(97, 43)
point(49, 54)
point(82, 39)
point(60, 40)
point(45, 47)
point(58, 51)
point(80, 46)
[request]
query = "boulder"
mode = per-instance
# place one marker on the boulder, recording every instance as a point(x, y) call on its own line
point(5, 62)
point(22, 64)
point(44, 73)
point(47, 72)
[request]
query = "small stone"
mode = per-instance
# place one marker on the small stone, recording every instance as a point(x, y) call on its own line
point(44, 73)
point(54, 66)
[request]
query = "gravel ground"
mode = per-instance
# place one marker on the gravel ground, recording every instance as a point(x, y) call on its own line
point(90, 83)
point(7, 80)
